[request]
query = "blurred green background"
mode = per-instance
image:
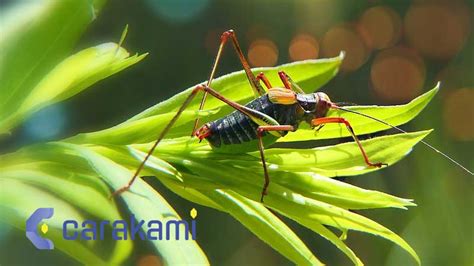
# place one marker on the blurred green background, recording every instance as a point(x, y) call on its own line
point(395, 50)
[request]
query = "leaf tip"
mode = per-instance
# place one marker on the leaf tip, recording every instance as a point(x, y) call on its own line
point(123, 36)
point(411, 203)
point(342, 55)
point(424, 133)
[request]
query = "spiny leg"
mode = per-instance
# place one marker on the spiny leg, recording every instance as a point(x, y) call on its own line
point(261, 148)
point(257, 88)
point(340, 120)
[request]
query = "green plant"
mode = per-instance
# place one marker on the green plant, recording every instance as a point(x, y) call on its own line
point(76, 176)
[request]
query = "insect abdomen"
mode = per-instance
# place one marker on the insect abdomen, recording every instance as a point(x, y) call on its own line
point(237, 128)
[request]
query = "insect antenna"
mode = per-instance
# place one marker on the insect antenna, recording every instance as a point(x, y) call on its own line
point(403, 131)
point(345, 104)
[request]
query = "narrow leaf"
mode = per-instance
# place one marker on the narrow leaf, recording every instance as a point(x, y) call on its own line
point(395, 115)
point(31, 45)
point(146, 204)
point(266, 226)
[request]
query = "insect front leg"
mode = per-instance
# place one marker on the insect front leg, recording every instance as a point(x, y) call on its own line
point(261, 148)
point(325, 120)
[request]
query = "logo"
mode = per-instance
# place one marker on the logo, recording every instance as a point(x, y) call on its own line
point(121, 229)
point(32, 224)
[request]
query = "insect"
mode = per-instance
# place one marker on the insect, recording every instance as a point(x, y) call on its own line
point(271, 115)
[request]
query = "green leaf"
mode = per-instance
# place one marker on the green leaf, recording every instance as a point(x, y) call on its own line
point(16, 208)
point(31, 45)
point(266, 226)
point(76, 189)
point(146, 204)
point(144, 127)
point(327, 195)
point(338, 193)
point(307, 210)
point(345, 159)
point(326, 233)
point(309, 74)
point(67, 188)
point(73, 75)
point(395, 115)
point(336, 160)
point(138, 131)
point(301, 187)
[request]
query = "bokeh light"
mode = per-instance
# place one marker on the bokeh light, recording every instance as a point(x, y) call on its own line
point(458, 114)
point(317, 20)
point(380, 27)
point(345, 38)
point(178, 11)
point(263, 52)
point(438, 29)
point(149, 260)
point(397, 74)
point(303, 46)
point(47, 123)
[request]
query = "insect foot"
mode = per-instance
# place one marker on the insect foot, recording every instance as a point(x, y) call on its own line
point(119, 191)
point(378, 165)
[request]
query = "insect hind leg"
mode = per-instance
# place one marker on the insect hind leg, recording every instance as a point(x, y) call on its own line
point(254, 83)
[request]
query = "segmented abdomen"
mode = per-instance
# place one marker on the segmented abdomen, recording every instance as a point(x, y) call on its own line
point(237, 128)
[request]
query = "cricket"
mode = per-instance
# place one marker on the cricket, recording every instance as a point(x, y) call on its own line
point(271, 115)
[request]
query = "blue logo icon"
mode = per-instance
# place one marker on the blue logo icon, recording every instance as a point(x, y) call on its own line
point(33, 222)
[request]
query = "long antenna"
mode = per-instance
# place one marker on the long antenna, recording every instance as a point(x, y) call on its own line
point(403, 131)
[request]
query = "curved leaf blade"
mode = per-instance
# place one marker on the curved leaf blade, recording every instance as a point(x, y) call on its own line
point(146, 204)
point(71, 76)
point(16, 208)
point(346, 159)
point(309, 74)
point(32, 48)
point(266, 226)
point(338, 193)
point(395, 115)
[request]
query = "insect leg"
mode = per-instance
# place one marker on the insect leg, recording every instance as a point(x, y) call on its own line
point(289, 83)
point(326, 120)
point(257, 88)
point(261, 77)
point(159, 138)
point(256, 116)
point(261, 148)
